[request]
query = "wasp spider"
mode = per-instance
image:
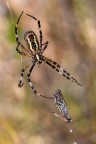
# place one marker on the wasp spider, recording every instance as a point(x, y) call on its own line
point(34, 49)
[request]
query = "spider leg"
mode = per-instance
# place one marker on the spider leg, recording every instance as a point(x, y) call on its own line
point(20, 52)
point(17, 39)
point(31, 84)
point(16, 29)
point(45, 46)
point(59, 69)
point(20, 84)
point(39, 27)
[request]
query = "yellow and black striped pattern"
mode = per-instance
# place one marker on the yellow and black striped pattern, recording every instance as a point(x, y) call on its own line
point(31, 41)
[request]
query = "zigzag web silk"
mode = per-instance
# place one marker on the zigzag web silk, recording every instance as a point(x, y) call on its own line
point(70, 129)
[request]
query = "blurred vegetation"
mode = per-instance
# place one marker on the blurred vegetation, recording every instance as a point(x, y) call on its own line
point(70, 28)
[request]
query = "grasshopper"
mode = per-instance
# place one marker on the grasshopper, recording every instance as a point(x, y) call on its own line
point(61, 105)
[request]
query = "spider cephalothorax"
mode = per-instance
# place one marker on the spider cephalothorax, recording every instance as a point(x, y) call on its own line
point(34, 49)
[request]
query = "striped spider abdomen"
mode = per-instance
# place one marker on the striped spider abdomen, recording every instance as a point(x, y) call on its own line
point(31, 41)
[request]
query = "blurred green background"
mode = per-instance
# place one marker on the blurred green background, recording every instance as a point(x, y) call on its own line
point(70, 28)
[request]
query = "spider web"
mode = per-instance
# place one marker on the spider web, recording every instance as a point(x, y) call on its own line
point(70, 129)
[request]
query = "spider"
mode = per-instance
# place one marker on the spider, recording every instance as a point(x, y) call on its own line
point(61, 105)
point(34, 49)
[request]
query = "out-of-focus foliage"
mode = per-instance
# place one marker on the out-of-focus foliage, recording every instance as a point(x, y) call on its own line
point(10, 28)
point(70, 28)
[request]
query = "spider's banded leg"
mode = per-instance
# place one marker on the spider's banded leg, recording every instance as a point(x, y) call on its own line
point(31, 85)
point(20, 52)
point(39, 27)
point(16, 29)
point(20, 83)
point(17, 49)
point(59, 69)
point(17, 39)
point(45, 46)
